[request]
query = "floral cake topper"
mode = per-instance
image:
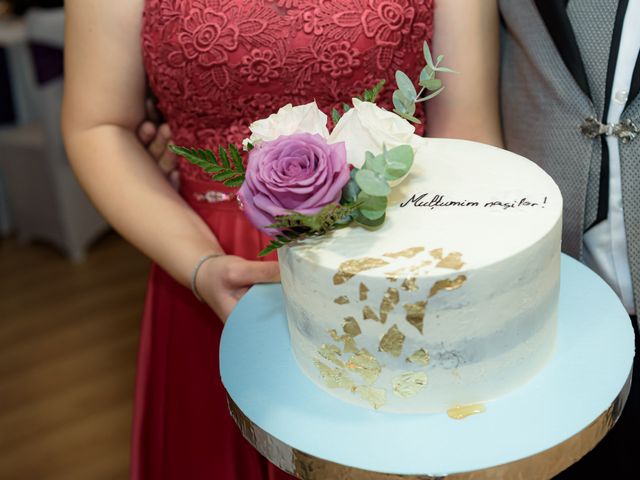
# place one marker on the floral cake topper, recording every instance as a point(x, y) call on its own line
point(301, 180)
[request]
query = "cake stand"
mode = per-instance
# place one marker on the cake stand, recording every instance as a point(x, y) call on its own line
point(534, 432)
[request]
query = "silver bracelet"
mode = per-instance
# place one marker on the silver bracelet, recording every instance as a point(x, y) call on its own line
point(196, 269)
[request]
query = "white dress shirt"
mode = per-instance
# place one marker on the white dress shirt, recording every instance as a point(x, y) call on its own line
point(605, 245)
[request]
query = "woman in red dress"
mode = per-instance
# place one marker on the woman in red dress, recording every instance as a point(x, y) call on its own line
point(215, 66)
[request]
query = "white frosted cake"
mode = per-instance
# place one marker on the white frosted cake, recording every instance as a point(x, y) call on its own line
point(453, 301)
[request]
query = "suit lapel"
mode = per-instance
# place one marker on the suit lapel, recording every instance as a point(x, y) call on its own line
point(554, 15)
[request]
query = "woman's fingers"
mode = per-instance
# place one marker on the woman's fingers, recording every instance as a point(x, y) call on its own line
point(251, 272)
point(146, 132)
point(158, 145)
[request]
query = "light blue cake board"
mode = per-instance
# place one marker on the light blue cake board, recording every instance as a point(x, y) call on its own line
point(591, 364)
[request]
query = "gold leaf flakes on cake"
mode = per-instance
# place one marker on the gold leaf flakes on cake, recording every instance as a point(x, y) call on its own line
point(460, 412)
point(419, 357)
point(415, 313)
point(343, 300)
point(364, 290)
point(392, 341)
point(409, 384)
point(365, 365)
point(334, 377)
point(447, 285)
point(348, 341)
point(437, 253)
point(331, 353)
point(410, 285)
point(369, 314)
point(406, 253)
point(453, 261)
point(351, 268)
point(393, 275)
point(375, 396)
point(350, 327)
point(389, 301)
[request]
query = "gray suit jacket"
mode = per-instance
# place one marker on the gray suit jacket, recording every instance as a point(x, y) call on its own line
point(547, 93)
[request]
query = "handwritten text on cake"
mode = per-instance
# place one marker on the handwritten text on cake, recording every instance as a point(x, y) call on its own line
point(439, 201)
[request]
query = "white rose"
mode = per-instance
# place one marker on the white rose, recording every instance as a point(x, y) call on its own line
point(367, 127)
point(289, 120)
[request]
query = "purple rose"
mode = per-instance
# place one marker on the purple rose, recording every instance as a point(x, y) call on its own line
point(300, 172)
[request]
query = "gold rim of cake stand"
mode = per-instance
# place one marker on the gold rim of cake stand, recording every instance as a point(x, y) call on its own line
point(543, 465)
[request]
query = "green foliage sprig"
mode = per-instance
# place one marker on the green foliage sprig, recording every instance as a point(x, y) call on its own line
point(227, 168)
point(406, 97)
point(370, 95)
point(297, 226)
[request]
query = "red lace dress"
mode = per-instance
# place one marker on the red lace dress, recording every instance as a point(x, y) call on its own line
point(215, 66)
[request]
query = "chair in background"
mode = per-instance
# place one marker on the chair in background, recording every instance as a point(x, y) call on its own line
point(45, 198)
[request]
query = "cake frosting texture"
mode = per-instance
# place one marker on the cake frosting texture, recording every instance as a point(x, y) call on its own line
point(453, 301)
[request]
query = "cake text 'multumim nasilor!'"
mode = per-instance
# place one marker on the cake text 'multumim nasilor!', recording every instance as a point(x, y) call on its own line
point(436, 200)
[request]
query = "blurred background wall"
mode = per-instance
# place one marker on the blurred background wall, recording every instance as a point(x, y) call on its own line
point(71, 290)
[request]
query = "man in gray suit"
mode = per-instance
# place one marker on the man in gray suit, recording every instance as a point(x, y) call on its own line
point(569, 82)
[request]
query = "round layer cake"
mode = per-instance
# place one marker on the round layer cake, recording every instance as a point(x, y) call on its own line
point(452, 302)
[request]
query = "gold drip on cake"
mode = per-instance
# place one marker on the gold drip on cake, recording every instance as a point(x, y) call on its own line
point(351, 268)
point(392, 341)
point(343, 300)
point(365, 365)
point(408, 384)
point(415, 313)
point(453, 261)
point(447, 285)
point(406, 253)
point(350, 327)
point(420, 357)
point(463, 411)
point(364, 290)
point(389, 301)
point(369, 314)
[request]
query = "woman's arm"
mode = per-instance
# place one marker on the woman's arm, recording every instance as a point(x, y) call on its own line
point(103, 106)
point(467, 33)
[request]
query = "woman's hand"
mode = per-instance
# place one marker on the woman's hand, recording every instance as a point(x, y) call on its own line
point(223, 280)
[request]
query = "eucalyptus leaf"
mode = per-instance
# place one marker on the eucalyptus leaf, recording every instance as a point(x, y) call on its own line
point(446, 70)
point(427, 55)
point(350, 192)
point(372, 207)
point(372, 183)
point(403, 104)
point(426, 74)
point(374, 163)
point(399, 161)
point(365, 222)
point(430, 96)
point(405, 85)
point(439, 58)
point(431, 85)
point(406, 116)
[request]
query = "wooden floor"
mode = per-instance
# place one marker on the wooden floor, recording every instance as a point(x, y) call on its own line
point(68, 342)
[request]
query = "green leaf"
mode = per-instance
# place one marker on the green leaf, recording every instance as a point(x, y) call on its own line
point(350, 192)
point(372, 95)
point(335, 116)
point(372, 207)
point(405, 85)
point(372, 183)
point(426, 74)
point(431, 85)
point(402, 103)
point(346, 107)
point(401, 155)
point(224, 158)
point(238, 165)
point(439, 58)
point(235, 182)
point(446, 70)
point(406, 116)
point(365, 222)
point(427, 55)
point(374, 163)
point(221, 177)
point(430, 96)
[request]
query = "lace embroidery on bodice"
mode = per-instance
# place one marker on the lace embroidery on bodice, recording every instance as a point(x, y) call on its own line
point(217, 65)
